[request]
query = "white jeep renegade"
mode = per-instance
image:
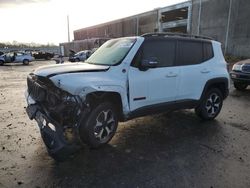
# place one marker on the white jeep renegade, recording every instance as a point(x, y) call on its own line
point(125, 78)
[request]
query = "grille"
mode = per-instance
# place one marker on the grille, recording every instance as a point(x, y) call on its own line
point(246, 68)
point(37, 92)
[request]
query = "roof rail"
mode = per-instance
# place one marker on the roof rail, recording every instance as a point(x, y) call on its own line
point(175, 34)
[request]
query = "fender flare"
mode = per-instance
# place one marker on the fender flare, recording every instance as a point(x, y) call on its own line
point(220, 81)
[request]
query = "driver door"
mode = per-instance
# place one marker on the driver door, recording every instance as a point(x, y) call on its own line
point(158, 85)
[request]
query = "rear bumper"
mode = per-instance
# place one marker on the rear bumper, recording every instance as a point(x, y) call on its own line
point(240, 77)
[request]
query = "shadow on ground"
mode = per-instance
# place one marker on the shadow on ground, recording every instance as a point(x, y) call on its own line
point(166, 149)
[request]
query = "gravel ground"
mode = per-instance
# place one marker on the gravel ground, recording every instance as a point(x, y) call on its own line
point(168, 150)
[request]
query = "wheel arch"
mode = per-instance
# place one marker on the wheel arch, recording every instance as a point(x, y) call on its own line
point(220, 83)
point(97, 97)
point(2, 61)
point(26, 60)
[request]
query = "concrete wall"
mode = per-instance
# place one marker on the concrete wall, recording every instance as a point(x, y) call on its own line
point(131, 26)
point(139, 24)
point(225, 21)
point(239, 28)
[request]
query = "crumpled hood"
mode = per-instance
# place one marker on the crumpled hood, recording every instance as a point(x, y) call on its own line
point(52, 70)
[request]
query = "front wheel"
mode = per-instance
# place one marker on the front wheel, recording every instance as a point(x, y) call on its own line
point(1, 62)
point(210, 105)
point(100, 126)
point(240, 86)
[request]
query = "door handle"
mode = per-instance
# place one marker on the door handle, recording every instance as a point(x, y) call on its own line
point(205, 71)
point(171, 74)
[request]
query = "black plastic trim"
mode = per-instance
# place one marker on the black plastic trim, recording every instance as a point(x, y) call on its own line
point(219, 80)
point(163, 107)
point(139, 98)
point(77, 71)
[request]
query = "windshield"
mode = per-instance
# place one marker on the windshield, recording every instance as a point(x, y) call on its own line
point(112, 52)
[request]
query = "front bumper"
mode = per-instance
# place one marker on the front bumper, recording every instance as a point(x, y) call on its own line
point(51, 131)
point(240, 77)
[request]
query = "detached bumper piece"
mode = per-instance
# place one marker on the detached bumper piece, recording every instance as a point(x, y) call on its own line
point(52, 134)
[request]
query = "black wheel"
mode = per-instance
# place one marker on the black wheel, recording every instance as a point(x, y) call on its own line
point(77, 60)
point(100, 126)
point(26, 62)
point(1, 62)
point(240, 86)
point(210, 105)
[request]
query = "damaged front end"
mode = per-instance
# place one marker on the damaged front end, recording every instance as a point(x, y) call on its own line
point(58, 114)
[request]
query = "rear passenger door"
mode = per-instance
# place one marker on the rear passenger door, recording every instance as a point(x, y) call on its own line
point(194, 59)
point(19, 57)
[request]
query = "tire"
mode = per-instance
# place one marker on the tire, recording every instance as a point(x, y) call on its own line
point(240, 86)
point(210, 105)
point(77, 60)
point(26, 62)
point(1, 62)
point(100, 125)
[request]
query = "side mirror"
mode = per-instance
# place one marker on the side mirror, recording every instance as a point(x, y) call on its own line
point(148, 63)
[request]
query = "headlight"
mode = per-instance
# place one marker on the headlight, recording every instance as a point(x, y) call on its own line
point(237, 67)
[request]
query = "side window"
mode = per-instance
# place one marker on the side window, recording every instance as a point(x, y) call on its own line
point(207, 51)
point(189, 53)
point(162, 50)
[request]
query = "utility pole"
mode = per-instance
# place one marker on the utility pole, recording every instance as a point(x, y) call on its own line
point(68, 28)
point(228, 26)
point(199, 20)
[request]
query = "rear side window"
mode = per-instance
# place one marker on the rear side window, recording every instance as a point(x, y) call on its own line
point(207, 51)
point(193, 52)
point(189, 53)
point(162, 50)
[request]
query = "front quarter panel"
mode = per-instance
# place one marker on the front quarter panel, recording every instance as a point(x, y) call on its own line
point(81, 84)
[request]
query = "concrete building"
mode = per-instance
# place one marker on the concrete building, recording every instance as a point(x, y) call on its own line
point(223, 20)
point(226, 21)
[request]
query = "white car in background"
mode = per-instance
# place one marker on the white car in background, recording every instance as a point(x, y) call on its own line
point(16, 57)
point(80, 56)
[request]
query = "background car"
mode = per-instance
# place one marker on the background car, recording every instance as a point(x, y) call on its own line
point(43, 55)
point(16, 57)
point(93, 50)
point(58, 59)
point(240, 75)
point(80, 56)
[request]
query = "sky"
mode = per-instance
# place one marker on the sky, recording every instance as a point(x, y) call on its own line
point(45, 21)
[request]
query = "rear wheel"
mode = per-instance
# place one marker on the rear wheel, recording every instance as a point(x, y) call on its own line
point(77, 60)
point(210, 105)
point(1, 62)
point(240, 86)
point(26, 62)
point(100, 126)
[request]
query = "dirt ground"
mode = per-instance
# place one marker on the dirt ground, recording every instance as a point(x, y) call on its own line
point(169, 150)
